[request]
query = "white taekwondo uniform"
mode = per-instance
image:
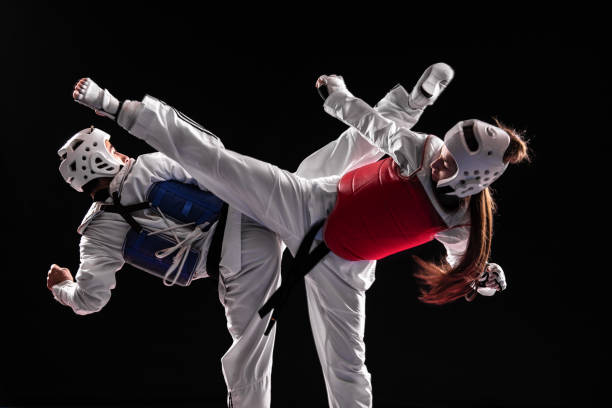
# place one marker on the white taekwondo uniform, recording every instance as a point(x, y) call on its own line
point(250, 259)
point(249, 271)
point(289, 203)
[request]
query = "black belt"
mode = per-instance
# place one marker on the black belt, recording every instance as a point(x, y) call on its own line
point(303, 263)
point(214, 251)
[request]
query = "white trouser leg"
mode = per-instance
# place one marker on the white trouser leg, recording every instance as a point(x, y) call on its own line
point(349, 151)
point(276, 198)
point(337, 318)
point(247, 365)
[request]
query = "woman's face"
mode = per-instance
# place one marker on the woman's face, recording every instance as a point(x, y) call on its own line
point(444, 166)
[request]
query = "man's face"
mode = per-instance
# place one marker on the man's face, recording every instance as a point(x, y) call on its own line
point(444, 166)
point(111, 149)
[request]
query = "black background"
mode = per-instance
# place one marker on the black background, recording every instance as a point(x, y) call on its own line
point(251, 82)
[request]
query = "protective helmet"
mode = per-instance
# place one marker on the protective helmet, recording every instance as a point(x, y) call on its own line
point(85, 158)
point(478, 149)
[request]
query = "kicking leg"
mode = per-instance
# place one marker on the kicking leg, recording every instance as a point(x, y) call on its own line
point(276, 198)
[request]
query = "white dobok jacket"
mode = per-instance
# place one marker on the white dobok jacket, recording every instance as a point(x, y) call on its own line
point(103, 234)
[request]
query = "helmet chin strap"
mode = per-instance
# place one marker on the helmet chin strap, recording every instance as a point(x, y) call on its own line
point(442, 188)
point(446, 196)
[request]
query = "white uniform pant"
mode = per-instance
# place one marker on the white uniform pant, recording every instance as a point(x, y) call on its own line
point(288, 205)
point(247, 365)
point(280, 200)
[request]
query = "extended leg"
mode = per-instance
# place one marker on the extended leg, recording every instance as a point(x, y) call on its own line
point(276, 198)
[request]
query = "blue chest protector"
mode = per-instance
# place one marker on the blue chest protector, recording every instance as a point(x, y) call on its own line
point(185, 204)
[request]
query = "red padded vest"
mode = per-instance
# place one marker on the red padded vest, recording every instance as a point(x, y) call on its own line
point(379, 212)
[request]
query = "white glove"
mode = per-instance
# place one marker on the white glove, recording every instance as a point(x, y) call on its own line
point(88, 93)
point(491, 280)
point(329, 84)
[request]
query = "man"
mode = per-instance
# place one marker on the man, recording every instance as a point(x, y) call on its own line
point(250, 255)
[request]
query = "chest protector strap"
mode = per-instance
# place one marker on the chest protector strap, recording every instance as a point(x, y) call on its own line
point(125, 211)
point(186, 204)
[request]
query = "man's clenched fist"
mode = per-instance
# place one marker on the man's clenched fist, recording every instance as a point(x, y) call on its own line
point(57, 275)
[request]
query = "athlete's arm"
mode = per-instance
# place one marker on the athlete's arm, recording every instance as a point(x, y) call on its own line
point(403, 145)
point(57, 275)
point(455, 241)
point(95, 279)
point(351, 150)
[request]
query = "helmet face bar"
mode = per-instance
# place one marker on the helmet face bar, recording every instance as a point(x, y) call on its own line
point(85, 158)
point(478, 149)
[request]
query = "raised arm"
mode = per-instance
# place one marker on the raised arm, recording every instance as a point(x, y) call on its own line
point(402, 144)
point(351, 150)
point(392, 137)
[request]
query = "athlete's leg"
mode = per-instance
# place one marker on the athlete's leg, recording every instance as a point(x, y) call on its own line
point(276, 198)
point(347, 152)
point(247, 365)
point(337, 318)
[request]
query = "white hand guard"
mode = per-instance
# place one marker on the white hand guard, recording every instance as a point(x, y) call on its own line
point(96, 98)
point(491, 280)
point(331, 84)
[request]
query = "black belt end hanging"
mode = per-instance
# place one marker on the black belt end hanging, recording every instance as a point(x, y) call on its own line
point(303, 263)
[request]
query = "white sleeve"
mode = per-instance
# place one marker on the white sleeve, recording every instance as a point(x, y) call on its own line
point(160, 167)
point(455, 240)
point(165, 128)
point(394, 106)
point(94, 279)
point(347, 152)
point(351, 150)
point(392, 138)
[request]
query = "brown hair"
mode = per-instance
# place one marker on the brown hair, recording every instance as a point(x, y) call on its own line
point(440, 283)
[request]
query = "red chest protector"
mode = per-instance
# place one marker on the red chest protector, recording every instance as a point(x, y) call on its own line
point(379, 212)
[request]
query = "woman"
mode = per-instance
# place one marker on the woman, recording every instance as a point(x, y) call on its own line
point(425, 182)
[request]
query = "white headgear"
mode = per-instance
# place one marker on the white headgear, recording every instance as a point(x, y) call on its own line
point(85, 158)
point(478, 149)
